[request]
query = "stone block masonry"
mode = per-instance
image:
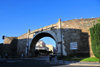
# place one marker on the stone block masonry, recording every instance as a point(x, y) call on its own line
point(67, 34)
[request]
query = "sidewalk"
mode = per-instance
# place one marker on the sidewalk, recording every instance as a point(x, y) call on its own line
point(81, 63)
point(75, 63)
point(72, 63)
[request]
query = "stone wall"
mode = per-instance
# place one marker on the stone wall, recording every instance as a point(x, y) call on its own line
point(82, 37)
point(76, 30)
point(8, 40)
point(9, 48)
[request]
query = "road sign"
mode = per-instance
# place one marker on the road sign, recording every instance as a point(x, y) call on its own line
point(73, 45)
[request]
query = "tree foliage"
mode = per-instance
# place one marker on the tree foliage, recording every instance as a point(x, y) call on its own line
point(95, 39)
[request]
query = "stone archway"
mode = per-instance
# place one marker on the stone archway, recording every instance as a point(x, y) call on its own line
point(38, 36)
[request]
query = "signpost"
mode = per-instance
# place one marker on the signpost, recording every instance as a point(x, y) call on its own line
point(73, 46)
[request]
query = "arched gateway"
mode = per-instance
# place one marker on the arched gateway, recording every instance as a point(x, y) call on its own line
point(29, 40)
point(39, 36)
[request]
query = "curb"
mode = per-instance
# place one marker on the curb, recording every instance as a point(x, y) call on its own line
point(84, 64)
point(81, 64)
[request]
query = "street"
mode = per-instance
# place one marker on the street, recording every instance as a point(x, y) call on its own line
point(30, 62)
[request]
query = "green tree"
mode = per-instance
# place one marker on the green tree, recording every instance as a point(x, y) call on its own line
point(95, 39)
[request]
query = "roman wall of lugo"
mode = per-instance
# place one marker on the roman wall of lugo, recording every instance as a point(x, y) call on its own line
point(72, 37)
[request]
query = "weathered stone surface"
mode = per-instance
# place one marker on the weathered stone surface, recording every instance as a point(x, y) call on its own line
point(8, 40)
point(9, 48)
point(63, 33)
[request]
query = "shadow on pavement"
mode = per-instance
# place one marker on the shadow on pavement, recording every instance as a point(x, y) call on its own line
point(32, 63)
point(26, 63)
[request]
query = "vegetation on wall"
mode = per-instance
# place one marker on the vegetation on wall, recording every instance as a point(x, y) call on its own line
point(95, 39)
point(98, 20)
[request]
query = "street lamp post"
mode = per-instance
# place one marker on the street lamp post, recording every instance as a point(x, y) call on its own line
point(3, 37)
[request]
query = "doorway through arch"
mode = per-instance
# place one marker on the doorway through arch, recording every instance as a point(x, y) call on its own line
point(46, 37)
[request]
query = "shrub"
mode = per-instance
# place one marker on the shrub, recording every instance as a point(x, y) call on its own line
point(95, 39)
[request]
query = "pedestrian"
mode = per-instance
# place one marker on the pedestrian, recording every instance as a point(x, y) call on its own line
point(50, 58)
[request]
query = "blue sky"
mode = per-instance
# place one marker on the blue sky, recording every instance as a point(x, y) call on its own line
point(17, 16)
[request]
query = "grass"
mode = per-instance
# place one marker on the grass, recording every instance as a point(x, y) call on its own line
point(90, 59)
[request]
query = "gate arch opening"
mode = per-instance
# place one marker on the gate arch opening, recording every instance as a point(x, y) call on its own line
point(37, 38)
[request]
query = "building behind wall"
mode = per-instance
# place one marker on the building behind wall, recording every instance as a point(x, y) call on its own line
point(41, 46)
point(51, 48)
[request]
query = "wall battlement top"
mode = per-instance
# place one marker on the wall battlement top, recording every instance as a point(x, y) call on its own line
point(84, 24)
point(84, 19)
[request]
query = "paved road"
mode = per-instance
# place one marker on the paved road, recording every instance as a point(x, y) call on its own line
point(31, 63)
